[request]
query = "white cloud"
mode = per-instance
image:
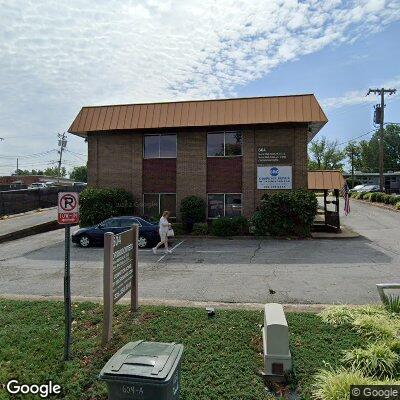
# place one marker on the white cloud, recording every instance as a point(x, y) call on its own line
point(58, 55)
point(356, 97)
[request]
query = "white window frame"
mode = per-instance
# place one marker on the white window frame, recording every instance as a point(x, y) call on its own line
point(232, 155)
point(224, 194)
point(159, 144)
point(159, 201)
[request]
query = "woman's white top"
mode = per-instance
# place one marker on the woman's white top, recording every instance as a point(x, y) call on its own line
point(164, 225)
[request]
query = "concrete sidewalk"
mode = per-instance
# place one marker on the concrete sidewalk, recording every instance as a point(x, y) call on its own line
point(29, 223)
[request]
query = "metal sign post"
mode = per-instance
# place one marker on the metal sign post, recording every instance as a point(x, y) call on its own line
point(68, 213)
point(67, 294)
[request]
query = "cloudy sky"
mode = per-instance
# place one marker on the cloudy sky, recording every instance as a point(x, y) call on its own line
point(56, 56)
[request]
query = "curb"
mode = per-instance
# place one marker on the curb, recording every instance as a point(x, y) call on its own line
point(32, 230)
point(288, 307)
point(36, 211)
point(378, 205)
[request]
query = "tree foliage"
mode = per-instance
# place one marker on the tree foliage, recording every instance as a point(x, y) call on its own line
point(50, 171)
point(368, 159)
point(325, 154)
point(79, 174)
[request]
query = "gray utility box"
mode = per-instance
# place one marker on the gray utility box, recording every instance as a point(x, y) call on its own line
point(145, 371)
point(277, 357)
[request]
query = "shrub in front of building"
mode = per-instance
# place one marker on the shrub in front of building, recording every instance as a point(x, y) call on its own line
point(377, 197)
point(367, 196)
point(193, 210)
point(286, 214)
point(200, 229)
point(178, 228)
point(239, 226)
point(96, 205)
point(222, 226)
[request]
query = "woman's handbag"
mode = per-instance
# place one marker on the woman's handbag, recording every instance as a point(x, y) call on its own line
point(170, 233)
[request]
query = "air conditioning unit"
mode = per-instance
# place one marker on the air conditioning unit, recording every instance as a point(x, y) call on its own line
point(277, 357)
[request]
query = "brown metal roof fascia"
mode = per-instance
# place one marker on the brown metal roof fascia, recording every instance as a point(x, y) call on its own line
point(257, 110)
point(325, 180)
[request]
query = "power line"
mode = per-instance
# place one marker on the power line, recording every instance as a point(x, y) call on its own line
point(357, 137)
point(34, 155)
point(74, 154)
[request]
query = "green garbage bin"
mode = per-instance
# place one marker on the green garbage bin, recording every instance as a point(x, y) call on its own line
point(144, 371)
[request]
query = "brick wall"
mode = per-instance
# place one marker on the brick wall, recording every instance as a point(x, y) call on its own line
point(249, 173)
point(224, 175)
point(159, 175)
point(116, 160)
point(191, 165)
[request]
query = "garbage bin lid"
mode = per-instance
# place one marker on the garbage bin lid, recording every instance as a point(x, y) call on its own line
point(143, 359)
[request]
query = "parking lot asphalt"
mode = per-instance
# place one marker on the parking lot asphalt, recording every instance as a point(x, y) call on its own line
point(287, 271)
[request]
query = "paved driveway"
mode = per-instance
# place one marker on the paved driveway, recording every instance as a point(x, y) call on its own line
point(289, 271)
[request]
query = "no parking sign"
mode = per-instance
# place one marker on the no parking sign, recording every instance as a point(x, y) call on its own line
point(68, 208)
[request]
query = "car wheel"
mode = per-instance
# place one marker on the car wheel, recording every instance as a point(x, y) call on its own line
point(142, 242)
point(84, 241)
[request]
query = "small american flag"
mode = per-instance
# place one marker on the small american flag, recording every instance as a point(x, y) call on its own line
point(345, 193)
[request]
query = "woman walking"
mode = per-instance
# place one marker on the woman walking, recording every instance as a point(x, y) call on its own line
point(163, 230)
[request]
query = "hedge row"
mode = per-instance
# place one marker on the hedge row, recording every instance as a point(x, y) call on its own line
point(378, 197)
point(279, 214)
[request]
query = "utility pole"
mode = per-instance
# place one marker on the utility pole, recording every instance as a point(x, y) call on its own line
point(17, 168)
point(62, 143)
point(381, 92)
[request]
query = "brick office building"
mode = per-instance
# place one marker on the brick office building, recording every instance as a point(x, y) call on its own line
point(229, 152)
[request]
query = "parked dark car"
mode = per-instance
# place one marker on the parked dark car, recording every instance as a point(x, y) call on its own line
point(94, 235)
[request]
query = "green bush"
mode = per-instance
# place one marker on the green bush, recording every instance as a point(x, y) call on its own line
point(361, 195)
point(392, 303)
point(178, 228)
point(394, 199)
point(96, 205)
point(367, 196)
point(240, 225)
point(200, 228)
point(193, 209)
point(376, 360)
point(286, 213)
point(222, 226)
point(335, 385)
point(397, 206)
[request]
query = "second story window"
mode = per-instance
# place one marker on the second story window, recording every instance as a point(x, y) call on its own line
point(159, 146)
point(224, 144)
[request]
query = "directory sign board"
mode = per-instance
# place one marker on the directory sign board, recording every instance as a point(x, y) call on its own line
point(120, 273)
point(274, 155)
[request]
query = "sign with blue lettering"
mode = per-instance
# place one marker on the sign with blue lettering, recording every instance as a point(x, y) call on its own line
point(274, 177)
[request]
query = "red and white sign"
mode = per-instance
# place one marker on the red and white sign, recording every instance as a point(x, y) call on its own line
point(68, 208)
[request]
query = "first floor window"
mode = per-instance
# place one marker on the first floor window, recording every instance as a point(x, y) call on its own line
point(156, 203)
point(224, 205)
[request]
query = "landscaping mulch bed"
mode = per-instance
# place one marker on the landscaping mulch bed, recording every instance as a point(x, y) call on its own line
point(222, 356)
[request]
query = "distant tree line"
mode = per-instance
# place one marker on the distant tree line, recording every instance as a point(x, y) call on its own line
point(78, 174)
point(327, 154)
point(51, 171)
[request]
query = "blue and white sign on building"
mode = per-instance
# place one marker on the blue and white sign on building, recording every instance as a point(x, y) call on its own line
point(274, 177)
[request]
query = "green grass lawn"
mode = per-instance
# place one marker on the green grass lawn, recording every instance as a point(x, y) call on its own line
point(221, 358)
